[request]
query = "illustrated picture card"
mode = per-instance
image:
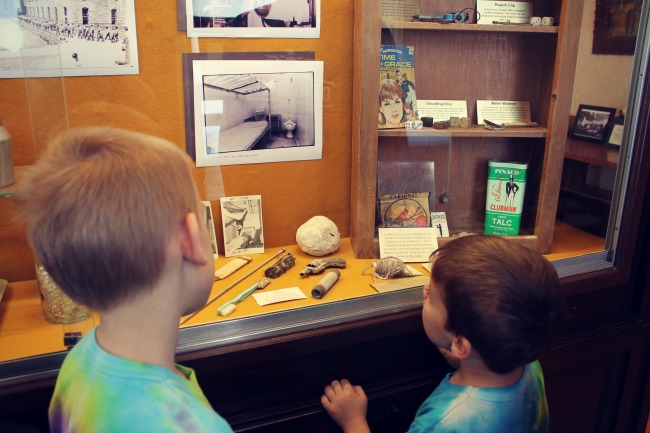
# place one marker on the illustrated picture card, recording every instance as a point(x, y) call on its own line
point(242, 225)
point(209, 222)
point(51, 41)
point(405, 210)
point(251, 111)
point(253, 18)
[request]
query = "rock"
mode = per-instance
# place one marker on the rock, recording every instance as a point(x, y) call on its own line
point(319, 236)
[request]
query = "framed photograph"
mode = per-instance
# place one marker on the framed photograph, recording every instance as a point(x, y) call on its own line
point(209, 222)
point(50, 40)
point(616, 25)
point(242, 225)
point(252, 18)
point(615, 135)
point(251, 111)
point(592, 123)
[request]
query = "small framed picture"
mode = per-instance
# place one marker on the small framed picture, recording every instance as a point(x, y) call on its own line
point(615, 134)
point(592, 123)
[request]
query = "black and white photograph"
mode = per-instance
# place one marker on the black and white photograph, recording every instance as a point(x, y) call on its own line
point(591, 123)
point(248, 112)
point(253, 18)
point(242, 225)
point(54, 38)
point(209, 222)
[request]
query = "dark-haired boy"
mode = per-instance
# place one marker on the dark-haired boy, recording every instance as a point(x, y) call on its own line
point(491, 307)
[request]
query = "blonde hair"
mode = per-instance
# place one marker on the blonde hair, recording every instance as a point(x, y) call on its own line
point(100, 206)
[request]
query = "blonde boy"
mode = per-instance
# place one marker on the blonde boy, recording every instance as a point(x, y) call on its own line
point(115, 218)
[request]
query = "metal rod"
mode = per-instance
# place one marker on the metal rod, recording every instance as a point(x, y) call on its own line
point(212, 299)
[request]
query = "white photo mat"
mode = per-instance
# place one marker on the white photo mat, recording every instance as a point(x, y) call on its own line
point(70, 49)
point(284, 19)
point(295, 91)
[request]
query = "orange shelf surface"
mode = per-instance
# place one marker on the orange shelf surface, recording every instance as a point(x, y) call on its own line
point(24, 332)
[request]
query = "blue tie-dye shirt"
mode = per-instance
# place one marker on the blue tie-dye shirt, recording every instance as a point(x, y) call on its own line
point(97, 392)
point(519, 408)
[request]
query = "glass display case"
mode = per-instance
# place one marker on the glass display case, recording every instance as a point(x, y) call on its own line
point(456, 61)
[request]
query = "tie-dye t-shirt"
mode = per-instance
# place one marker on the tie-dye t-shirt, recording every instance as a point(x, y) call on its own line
point(97, 392)
point(520, 407)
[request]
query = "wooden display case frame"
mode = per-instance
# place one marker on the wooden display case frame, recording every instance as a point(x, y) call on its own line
point(550, 94)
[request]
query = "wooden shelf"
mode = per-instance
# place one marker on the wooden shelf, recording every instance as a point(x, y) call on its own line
point(591, 153)
point(475, 131)
point(25, 333)
point(501, 28)
point(467, 62)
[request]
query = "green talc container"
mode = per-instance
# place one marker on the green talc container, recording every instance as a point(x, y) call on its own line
point(505, 197)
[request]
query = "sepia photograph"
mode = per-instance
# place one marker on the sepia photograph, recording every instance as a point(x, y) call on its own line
point(242, 225)
point(54, 38)
point(249, 112)
point(253, 18)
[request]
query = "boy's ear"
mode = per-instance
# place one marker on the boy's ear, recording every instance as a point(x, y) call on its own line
point(191, 240)
point(461, 347)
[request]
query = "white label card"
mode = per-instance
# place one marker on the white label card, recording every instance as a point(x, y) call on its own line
point(403, 9)
point(281, 295)
point(442, 110)
point(407, 244)
point(504, 12)
point(502, 111)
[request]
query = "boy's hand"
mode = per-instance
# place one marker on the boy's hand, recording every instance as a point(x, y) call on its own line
point(347, 405)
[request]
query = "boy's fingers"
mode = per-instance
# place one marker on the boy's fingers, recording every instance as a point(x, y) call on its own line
point(359, 390)
point(329, 392)
point(336, 385)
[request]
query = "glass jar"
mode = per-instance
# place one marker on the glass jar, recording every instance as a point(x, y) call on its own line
point(57, 306)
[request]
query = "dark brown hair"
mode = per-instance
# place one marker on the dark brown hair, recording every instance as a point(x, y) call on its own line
point(503, 297)
point(100, 206)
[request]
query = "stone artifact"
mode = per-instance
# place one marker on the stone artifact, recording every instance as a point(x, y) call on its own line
point(319, 236)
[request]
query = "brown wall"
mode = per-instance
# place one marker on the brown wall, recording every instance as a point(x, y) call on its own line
point(33, 110)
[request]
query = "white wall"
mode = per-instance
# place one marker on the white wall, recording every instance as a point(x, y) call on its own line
point(602, 80)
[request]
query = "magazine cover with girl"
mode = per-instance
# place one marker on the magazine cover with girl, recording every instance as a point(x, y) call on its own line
point(397, 102)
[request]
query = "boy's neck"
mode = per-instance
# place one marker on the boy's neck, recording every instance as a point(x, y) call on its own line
point(143, 329)
point(473, 372)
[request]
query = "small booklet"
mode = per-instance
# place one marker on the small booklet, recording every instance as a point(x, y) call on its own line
point(398, 103)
